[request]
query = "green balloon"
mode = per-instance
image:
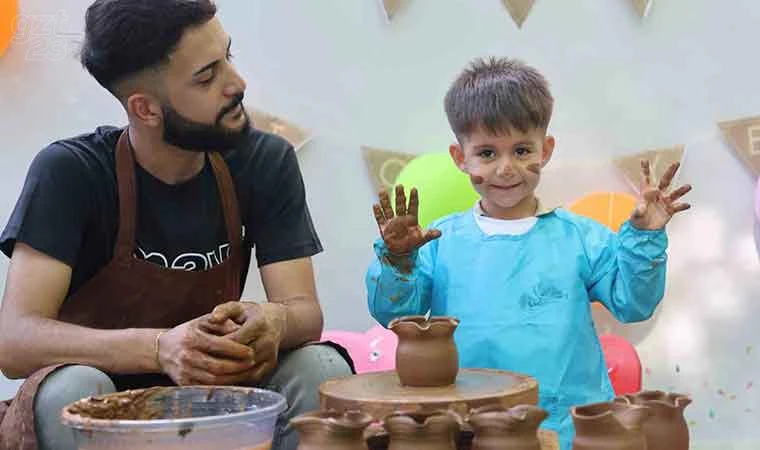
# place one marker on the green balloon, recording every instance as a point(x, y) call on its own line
point(443, 189)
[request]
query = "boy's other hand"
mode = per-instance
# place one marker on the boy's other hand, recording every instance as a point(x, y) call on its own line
point(657, 204)
point(401, 230)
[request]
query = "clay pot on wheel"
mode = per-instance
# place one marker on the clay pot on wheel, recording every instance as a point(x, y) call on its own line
point(667, 428)
point(436, 430)
point(609, 426)
point(331, 430)
point(497, 427)
point(426, 355)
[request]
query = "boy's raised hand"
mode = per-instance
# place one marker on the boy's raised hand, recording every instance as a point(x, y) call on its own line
point(401, 231)
point(656, 203)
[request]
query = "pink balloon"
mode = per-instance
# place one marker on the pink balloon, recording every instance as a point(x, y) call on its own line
point(757, 200)
point(355, 343)
point(382, 344)
point(373, 351)
point(757, 216)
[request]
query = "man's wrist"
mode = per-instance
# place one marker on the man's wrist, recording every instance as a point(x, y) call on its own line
point(276, 315)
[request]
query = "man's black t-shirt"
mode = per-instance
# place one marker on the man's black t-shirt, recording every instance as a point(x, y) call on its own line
point(68, 208)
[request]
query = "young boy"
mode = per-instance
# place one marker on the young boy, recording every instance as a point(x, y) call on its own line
point(518, 276)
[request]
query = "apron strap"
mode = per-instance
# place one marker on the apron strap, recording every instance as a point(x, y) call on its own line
point(125, 179)
point(226, 188)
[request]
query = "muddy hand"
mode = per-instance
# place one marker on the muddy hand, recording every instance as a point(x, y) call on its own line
point(223, 329)
point(657, 204)
point(260, 328)
point(401, 230)
point(189, 355)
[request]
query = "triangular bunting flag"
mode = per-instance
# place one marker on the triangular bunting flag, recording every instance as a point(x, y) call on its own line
point(659, 161)
point(390, 8)
point(384, 166)
point(519, 10)
point(743, 135)
point(642, 6)
point(298, 137)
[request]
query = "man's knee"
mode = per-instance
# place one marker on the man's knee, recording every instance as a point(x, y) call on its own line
point(73, 383)
point(62, 387)
point(312, 365)
point(300, 373)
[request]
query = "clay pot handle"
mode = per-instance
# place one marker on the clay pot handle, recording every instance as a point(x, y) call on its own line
point(525, 412)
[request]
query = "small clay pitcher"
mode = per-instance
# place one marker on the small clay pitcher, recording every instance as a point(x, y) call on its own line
point(331, 430)
point(667, 428)
point(426, 355)
point(497, 427)
point(609, 426)
point(435, 430)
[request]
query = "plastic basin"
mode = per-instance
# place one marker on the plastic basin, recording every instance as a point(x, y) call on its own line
point(168, 418)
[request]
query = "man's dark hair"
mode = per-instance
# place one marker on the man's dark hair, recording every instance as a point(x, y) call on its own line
point(498, 94)
point(125, 37)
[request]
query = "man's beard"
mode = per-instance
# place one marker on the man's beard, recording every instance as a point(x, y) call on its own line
point(201, 137)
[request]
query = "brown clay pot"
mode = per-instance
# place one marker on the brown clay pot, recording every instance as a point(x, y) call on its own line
point(436, 430)
point(331, 430)
point(497, 427)
point(667, 428)
point(609, 426)
point(426, 355)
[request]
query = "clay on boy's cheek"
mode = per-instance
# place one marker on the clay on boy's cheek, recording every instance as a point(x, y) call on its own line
point(534, 167)
point(468, 169)
point(476, 179)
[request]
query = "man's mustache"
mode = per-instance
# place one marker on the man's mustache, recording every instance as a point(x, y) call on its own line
point(234, 104)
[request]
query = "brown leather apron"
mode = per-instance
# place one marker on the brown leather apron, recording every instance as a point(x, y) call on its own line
point(134, 293)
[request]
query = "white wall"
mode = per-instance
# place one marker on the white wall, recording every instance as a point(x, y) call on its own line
point(621, 85)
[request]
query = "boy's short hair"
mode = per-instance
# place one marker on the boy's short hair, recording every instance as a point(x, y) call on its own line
point(499, 94)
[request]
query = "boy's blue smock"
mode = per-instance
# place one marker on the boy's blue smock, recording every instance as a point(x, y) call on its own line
point(524, 300)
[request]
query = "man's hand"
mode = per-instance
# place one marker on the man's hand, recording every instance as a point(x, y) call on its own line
point(260, 326)
point(193, 353)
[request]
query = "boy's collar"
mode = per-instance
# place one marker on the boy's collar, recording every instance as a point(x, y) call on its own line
point(541, 210)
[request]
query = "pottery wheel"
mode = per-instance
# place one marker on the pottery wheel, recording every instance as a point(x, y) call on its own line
point(381, 393)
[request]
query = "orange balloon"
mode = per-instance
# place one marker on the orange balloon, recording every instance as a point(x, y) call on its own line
point(8, 14)
point(608, 208)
